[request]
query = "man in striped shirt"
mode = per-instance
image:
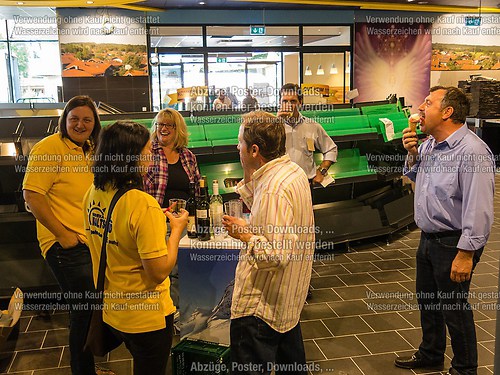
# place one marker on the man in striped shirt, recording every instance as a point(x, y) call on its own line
point(274, 268)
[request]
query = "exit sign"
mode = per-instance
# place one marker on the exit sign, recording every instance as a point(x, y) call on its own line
point(221, 59)
point(257, 30)
point(473, 21)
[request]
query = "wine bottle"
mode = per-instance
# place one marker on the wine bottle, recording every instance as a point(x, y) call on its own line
point(202, 212)
point(191, 208)
point(216, 210)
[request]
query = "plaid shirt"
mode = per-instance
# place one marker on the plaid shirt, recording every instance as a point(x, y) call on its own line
point(156, 179)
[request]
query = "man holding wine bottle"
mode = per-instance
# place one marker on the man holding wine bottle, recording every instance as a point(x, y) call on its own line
point(275, 264)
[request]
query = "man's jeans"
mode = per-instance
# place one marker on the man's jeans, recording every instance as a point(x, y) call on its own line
point(73, 270)
point(256, 348)
point(443, 303)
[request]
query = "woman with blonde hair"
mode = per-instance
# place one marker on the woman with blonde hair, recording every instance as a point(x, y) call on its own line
point(174, 165)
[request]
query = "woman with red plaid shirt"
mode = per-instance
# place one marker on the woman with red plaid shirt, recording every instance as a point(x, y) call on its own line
point(174, 166)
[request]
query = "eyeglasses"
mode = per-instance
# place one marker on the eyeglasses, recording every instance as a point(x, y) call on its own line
point(160, 125)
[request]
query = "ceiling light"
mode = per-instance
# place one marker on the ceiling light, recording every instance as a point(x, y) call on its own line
point(20, 3)
point(90, 2)
point(308, 71)
point(320, 70)
point(201, 3)
point(333, 69)
point(410, 1)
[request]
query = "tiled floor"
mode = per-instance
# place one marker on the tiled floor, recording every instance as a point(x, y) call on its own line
point(360, 318)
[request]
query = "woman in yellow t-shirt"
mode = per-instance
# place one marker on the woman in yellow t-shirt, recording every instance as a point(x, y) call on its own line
point(57, 177)
point(137, 303)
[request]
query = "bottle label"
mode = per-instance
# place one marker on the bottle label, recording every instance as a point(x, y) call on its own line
point(191, 225)
point(202, 214)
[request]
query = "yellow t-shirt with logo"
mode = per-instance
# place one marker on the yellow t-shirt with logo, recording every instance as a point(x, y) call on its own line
point(133, 303)
point(58, 169)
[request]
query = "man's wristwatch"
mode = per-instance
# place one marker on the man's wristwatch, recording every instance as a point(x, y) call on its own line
point(323, 171)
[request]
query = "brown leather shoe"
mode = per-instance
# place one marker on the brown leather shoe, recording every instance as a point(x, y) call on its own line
point(415, 362)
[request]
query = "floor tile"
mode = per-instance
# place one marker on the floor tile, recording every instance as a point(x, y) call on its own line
point(393, 264)
point(330, 270)
point(358, 279)
point(340, 347)
point(392, 254)
point(352, 292)
point(382, 342)
point(314, 329)
point(337, 367)
point(45, 322)
point(413, 336)
point(348, 308)
point(413, 317)
point(324, 295)
point(313, 353)
point(382, 364)
point(56, 337)
point(326, 282)
point(316, 311)
point(388, 276)
point(36, 359)
point(362, 257)
point(347, 325)
point(386, 321)
point(361, 267)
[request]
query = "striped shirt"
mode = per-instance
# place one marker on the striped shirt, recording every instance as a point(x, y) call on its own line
point(274, 269)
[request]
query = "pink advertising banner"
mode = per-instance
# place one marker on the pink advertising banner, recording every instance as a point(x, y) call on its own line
point(392, 58)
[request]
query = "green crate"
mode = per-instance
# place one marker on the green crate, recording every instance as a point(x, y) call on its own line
point(200, 357)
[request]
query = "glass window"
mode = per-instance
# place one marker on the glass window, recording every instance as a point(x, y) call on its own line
point(23, 28)
point(327, 36)
point(177, 37)
point(175, 72)
point(235, 72)
point(4, 74)
point(36, 70)
point(240, 36)
point(326, 69)
point(3, 34)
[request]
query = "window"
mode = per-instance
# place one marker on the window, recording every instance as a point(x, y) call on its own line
point(177, 37)
point(326, 36)
point(327, 69)
point(240, 36)
point(32, 71)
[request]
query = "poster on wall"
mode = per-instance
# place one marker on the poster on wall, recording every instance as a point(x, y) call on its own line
point(392, 55)
point(465, 42)
point(102, 43)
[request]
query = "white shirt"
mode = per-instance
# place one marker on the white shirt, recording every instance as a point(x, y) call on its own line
point(222, 104)
point(296, 144)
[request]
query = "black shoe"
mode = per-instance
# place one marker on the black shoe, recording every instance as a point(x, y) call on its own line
point(416, 362)
point(452, 371)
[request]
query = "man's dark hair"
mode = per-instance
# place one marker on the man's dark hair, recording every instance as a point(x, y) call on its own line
point(456, 99)
point(118, 155)
point(292, 88)
point(266, 131)
point(81, 101)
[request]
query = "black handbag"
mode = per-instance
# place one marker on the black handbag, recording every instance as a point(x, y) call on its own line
point(100, 338)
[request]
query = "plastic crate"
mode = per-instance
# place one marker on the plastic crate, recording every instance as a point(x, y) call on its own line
point(200, 357)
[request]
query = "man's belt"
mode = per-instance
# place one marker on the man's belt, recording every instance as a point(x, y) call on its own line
point(448, 233)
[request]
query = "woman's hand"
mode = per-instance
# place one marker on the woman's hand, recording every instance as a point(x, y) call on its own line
point(177, 222)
